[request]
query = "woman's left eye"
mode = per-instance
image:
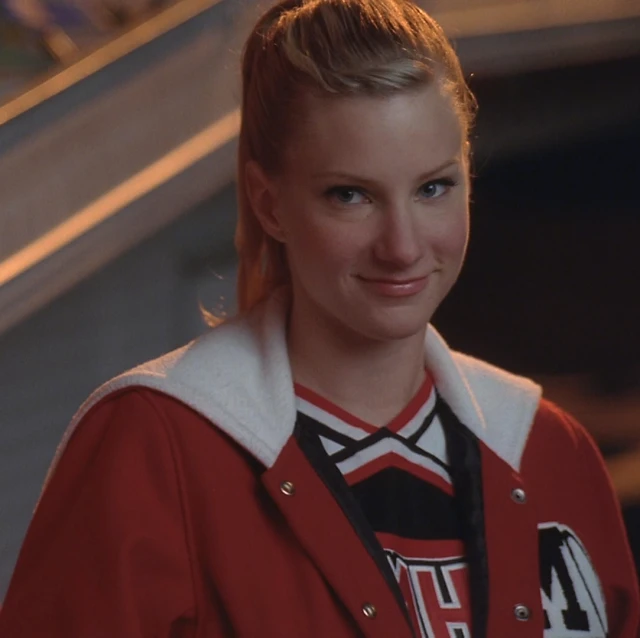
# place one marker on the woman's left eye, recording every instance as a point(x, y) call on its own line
point(436, 188)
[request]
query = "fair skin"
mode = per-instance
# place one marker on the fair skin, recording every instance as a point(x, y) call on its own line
point(372, 205)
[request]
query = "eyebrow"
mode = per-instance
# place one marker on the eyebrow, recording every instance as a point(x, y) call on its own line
point(351, 178)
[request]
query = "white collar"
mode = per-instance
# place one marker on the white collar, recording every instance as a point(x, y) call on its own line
point(238, 376)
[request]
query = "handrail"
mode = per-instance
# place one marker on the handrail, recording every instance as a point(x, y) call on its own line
point(89, 63)
point(86, 174)
point(168, 167)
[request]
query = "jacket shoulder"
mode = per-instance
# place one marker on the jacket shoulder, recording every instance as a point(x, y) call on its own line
point(507, 404)
point(130, 411)
point(554, 427)
point(559, 445)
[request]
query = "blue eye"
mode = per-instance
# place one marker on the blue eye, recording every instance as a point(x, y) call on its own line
point(436, 188)
point(346, 195)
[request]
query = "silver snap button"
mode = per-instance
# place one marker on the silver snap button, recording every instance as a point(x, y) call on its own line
point(369, 610)
point(519, 495)
point(522, 612)
point(288, 488)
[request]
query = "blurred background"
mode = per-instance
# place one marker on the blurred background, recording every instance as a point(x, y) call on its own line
point(118, 130)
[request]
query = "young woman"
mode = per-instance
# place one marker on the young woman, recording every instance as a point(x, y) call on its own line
point(323, 464)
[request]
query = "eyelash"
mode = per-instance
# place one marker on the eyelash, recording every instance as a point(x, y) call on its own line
point(334, 191)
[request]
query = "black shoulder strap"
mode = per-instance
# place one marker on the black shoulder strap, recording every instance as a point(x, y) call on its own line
point(311, 446)
point(463, 449)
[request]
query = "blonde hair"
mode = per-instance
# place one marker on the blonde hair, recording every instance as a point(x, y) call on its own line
point(328, 48)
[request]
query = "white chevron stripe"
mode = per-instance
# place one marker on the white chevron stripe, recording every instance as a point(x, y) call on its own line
point(386, 446)
point(433, 441)
point(331, 421)
point(414, 424)
point(331, 447)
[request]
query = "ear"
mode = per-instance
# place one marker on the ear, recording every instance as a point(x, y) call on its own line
point(262, 194)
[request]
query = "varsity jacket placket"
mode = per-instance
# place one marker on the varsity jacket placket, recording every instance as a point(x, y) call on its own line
point(331, 539)
point(320, 510)
point(511, 525)
point(333, 480)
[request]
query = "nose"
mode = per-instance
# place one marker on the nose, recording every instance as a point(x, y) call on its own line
point(397, 244)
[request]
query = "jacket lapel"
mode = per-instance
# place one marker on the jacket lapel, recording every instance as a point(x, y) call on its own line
point(334, 545)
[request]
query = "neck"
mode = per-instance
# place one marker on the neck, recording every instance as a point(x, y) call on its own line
point(372, 380)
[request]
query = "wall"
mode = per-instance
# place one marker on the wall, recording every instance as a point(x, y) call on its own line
point(140, 306)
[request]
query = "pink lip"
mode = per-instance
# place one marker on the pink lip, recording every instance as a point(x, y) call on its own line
point(396, 287)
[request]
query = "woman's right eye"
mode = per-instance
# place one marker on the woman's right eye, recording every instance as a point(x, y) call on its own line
point(346, 195)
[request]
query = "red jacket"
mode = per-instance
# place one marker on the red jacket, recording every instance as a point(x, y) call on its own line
point(157, 523)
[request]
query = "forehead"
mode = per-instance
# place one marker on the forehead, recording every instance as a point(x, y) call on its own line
point(401, 133)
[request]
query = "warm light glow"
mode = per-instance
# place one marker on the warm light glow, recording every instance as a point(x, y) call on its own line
point(117, 199)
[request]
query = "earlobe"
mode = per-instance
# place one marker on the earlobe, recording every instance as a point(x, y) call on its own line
point(261, 193)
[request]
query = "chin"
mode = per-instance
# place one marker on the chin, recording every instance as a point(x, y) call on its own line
point(394, 326)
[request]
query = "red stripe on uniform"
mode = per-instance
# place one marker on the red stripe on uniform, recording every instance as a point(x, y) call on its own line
point(393, 459)
point(396, 424)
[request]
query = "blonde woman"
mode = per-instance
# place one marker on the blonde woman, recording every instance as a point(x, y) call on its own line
point(323, 464)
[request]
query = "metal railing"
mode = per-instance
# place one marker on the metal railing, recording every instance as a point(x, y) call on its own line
point(105, 152)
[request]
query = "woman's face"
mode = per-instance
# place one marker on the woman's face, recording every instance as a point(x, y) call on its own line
point(372, 205)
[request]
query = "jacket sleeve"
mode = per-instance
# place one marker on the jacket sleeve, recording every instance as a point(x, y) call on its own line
point(106, 552)
point(619, 578)
point(608, 546)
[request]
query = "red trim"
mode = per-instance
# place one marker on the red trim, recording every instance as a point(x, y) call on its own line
point(396, 424)
point(331, 408)
point(414, 406)
point(393, 459)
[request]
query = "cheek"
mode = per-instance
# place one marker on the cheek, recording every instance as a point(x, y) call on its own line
point(324, 245)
